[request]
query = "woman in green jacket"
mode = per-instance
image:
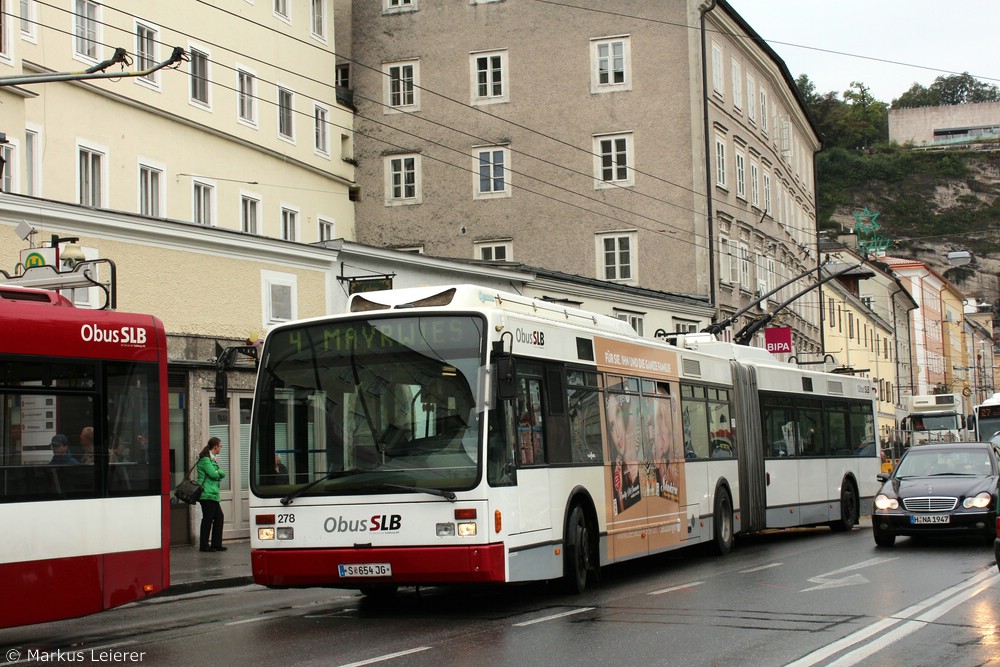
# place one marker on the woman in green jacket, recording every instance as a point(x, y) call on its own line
point(209, 475)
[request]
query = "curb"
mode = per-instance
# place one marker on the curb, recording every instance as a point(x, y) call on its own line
point(185, 587)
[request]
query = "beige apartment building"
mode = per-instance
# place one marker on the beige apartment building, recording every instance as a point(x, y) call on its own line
point(653, 144)
point(201, 182)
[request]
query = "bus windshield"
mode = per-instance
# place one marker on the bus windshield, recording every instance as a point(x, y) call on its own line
point(369, 406)
point(935, 422)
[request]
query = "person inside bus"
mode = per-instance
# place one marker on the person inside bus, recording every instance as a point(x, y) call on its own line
point(60, 451)
point(209, 476)
point(87, 445)
point(280, 475)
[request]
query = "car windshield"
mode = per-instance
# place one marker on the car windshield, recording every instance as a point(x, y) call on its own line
point(934, 462)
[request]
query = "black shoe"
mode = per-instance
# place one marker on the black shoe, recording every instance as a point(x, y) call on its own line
point(219, 548)
point(205, 549)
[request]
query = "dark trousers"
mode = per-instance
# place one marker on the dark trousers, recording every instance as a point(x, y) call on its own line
point(211, 523)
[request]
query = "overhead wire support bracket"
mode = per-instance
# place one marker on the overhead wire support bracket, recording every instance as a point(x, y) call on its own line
point(97, 71)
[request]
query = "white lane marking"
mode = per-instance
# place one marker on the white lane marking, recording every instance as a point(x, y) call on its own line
point(762, 567)
point(255, 619)
point(908, 628)
point(677, 588)
point(554, 616)
point(921, 607)
point(825, 581)
point(390, 656)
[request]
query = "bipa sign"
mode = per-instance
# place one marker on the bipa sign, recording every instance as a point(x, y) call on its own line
point(778, 340)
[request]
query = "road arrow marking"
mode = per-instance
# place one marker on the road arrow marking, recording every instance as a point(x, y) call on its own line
point(827, 580)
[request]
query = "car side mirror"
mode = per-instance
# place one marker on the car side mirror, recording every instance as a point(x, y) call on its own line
point(882, 477)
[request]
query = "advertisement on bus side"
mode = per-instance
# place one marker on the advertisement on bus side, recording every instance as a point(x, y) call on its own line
point(645, 478)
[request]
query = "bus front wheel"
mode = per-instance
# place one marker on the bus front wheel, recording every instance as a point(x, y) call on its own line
point(722, 523)
point(848, 508)
point(578, 549)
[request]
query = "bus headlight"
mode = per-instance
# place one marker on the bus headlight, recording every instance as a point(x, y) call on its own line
point(984, 499)
point(265, 533)
point(884, 502)
point(445, 530)
point(466, 529)
point(286, 532)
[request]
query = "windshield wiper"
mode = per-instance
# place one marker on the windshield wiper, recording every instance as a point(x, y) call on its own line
point(287, 500)
point(447, 495)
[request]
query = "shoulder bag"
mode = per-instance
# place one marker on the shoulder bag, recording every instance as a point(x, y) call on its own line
point(189, 491)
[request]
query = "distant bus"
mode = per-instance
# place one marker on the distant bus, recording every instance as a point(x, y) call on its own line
point(84, 529)
point(933, 418)
point(986, 420)
point(461, 435)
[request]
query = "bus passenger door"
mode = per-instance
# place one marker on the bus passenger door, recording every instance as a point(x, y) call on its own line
point(532, 476)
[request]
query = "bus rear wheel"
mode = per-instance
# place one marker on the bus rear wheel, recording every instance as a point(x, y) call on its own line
point(578, 548)
point(848, 508)
point(722, 523)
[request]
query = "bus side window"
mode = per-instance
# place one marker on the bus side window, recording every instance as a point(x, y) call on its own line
point(529, 421)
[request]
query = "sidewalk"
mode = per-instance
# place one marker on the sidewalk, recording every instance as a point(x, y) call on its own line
point(191, 570)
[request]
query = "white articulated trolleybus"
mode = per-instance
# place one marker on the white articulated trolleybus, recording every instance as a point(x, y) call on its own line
point(460, 434)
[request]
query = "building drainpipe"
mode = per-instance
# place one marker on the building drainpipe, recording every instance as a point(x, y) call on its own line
point(708, 163)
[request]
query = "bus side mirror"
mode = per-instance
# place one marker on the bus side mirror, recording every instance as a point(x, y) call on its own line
point(506, 389)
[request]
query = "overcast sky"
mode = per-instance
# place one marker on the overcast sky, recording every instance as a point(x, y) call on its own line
point(920, 37)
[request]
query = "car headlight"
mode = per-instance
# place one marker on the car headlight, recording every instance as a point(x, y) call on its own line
point(984, 499)
point(884, 502)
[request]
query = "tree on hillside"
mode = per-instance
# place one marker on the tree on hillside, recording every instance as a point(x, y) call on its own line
point(856, 121)
point(948, 90)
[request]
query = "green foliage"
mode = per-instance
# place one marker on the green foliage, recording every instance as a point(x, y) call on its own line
point(947, 90)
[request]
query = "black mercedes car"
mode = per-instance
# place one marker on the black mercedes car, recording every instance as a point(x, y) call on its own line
point(941, 489)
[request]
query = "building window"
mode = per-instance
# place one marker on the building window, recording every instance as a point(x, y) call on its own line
point(281, 9)
point(279, 297)
point(198, 72)
point(868, 300)
point(613, 160)
point(390, 6)
point(32, 164)
point(85, 28)
point(754, 184)
point(751, 114)
point(150, 183)
point(685, 326)
point(634, 319)
point(489, 77)
point(28, 19)
point(718, 83)
point(321, 135)
point(763, 110)
point(342, 76)
point(616, 256)
point(249, 214)
point(91, 177)
point(741, 176)
point(8, 165)
point(402, 180)
point(492, 173)
point(286, 126)
point(720, 162)
point(610, 64)
point(737, 85)
point(246, 96)
point(289, 224)
point(145, 50)
point(203, 203)
point(401, 86)
point(744, 266)
point(494, 251)
point(767, 192)
point(327, 229)
point(317, 19)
